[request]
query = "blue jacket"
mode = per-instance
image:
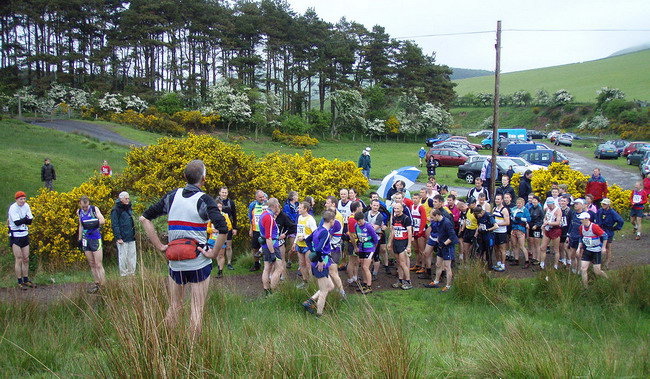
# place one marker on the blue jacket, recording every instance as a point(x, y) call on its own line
point(291, 210)
point(422, 153)
point(609, 220)
point(446, 231)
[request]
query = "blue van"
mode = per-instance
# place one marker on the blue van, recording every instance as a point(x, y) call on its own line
point(543, 157)
point(514, 149)
point(507, 133)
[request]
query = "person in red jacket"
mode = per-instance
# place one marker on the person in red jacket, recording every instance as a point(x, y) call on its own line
point(646, 183)
point(106, 169)
point(597, 187)
point(638, 198)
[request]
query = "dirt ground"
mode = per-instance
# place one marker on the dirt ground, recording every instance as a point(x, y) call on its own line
point(627, 251)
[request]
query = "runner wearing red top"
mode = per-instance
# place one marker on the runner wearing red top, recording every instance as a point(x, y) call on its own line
point(106, 169)
point(400, 243)
point(269, 232)
point(419, 218)
point(638, 198)
point(593, 240)
point(353, 258)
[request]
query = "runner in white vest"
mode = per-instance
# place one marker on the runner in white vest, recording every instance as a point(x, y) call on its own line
point(593, 240)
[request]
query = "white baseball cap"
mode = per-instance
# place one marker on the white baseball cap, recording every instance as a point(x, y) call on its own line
point(584, 216)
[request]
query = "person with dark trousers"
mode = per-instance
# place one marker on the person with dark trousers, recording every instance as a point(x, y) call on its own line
point(124, 232)
point(525, 186)
point(597, 187)
point(48, 174)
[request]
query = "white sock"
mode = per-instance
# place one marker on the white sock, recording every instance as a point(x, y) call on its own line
point(541, 264)
point(499, 263)
point(568, 261)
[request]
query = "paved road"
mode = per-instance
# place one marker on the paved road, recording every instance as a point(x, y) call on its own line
point(611, 173)
point(100, 132)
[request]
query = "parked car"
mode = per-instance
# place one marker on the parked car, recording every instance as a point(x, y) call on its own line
point(619, 143)
point(518, 164)
point(552, 135)
point(639, 155)
point(505, 142)
point(469, 171)
point(606, 150)
point(513, 150)
point(464, 148)
point(575, 136)
point(438, 138)
point(480, 133)
point(544, 157)
point(446, 157)
point(535, 134)
point(633, 146)
point(564, 139)
point(645, 167)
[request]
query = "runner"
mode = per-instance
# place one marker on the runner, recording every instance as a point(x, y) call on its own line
point(90, 240)
point(399, 187)
point(188, 210)
point(593, 241)
point(286, 228)
point(255, 210)
point(378, 220)
point(353, 258)
point(399, 242)
point(432, 246)
point(552, 232)
point(455, 212)
point(367, 241)
point(564, 226)
point(343, 207)
point(520, 218)
point(213, 234)
point(270, 241)
point(124, 233)
point(573, 234)
point(447, 240)
point(638, 199)
point(106, 170)
point(319, 245)
point(502, 218)
point(486, 228)
point(469, 229)
point(421, 154)
point(305, 227)
point(610, 221)
point(419, 218)
point(354, 196)
point(478, 189)
point(231, 210)
point(290, 208)
point(535, 229)
point(482, 202)
point(336, 232)
point(590, 206)
point(19, 218)
point(426, 201)
point(509, 203)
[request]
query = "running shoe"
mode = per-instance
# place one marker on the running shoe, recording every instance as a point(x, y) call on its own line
point(29, 284)
point(407, 286)
point(229, 267)
point(638, 236)
point(445, 289)
point(366, 290)
point(94, 288)
point(396, 285)
point(431, 285)
point(526, 265)
point(421, 271)
point(499, 268)
point(219, 274)
point(515, 262)
point(22, 286)
point(310, 306)
point(299, 273)
point(256, 267)
point(301, 285)
point(289, 264)
point(414, 268)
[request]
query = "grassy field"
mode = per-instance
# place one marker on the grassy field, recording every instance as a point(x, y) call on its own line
point(469, 119)
point(542, 327)
point(74, 157)
point(629, 73)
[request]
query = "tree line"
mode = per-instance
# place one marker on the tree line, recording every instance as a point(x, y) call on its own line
point(185, 46)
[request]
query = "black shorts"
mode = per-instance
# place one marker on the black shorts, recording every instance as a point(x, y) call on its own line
point(500, 238)
point(468, 235)
point(573, 244)
point(335, 256)
point(535, 233)
point(399, 246)
point(19, 241)
point(365, 254)
point(92, 245)
point(229, 236)
point(382, 239)
point(255, 241)
point(563, 238)
point(194, 276)
point(271, 256)
point(594, 257)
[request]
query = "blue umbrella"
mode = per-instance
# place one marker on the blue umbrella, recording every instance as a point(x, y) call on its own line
point(408, 174)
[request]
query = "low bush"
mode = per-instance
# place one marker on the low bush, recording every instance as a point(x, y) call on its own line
point(151, 123)
point(195, 120)
point(294, 140)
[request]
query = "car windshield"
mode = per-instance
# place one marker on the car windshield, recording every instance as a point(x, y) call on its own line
point(519, 161)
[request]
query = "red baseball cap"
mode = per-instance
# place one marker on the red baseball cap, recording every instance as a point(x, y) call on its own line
point(20, 194)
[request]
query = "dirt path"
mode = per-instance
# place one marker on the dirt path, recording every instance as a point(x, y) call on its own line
point(100, 132)
point(627, 251)
point(611, 173)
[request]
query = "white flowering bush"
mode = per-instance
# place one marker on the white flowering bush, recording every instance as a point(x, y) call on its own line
point(28, 99)
point(521, 98)
point(606, 94)
point(598, 122)
point(350, 109)
point(111, 102)
point(135, 103)
point(75, 98)
point(485, 98)
point(434, 119)
point(542, 97)
point(230, 104)
point(376, 127)
point(562, 97)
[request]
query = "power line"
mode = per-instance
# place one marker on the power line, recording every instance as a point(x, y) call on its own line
point(523, 30)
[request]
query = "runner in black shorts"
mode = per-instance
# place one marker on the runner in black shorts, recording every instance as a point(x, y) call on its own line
point(230, 209)
point(400, 242)
point(366, 243)
point(19, 218)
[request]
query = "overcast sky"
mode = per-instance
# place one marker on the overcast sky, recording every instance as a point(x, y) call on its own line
point(520, 50)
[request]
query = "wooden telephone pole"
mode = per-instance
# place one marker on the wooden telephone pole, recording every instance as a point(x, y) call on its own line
point(495, 115)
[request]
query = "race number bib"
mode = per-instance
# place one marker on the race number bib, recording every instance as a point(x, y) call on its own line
point(398, 233)
point(591, 242)
point(416, 223)
point(636, 199)
point(468, 222)
point(564, 223)
point(301, 230)
point(257, 219)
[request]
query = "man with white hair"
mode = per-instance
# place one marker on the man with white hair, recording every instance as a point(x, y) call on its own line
point(364, 162)
point(124, 231)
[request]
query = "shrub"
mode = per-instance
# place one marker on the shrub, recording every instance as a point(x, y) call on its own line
point(54, 231)
point(558, 172)
point(170, 103)
point(194, 120)
point(620, 199)
point(152, 122)
point(569, 121)
point(295, 125)
point(294, 140)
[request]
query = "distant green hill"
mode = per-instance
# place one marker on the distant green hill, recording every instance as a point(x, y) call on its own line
point(630, 73)
point(463, 73)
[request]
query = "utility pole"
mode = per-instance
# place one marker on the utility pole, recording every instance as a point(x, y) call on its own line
point(495, 115)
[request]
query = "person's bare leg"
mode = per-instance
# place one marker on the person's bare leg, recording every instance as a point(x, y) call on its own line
point(599, 271)
point(175, 302)
point(91, 262)
point(221, 258)
point(555, 245)
point(439, 267)
point(303, 264)
point(325, 285)
point(336, 279)
point(279, 267)
point(404, 263)
point(229, 252)
point(542, 251)
point(199, 293)
point(266, 281)
point(99, 258)
point(450, 275)
point(18, 261)
point(365, 267)
point(584, 267)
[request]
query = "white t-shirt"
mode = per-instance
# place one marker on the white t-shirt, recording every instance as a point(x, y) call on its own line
point(16, 213)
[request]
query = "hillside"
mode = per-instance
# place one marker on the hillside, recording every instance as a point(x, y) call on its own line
point(464, 73)
point(627, 72)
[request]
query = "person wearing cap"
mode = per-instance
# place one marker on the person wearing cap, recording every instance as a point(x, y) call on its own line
point(593, 240)
point(610, 221)
point(19, 218)
point(573, 234)
point(638, 199)
point(124, 232)
point(422, 153)
point(552, 232)
point(48, 174)
point(597, 187)
point(364, 162)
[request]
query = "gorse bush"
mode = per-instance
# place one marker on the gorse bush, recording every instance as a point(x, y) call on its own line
point(195, 120)
point(150, 123)
point(294, 140)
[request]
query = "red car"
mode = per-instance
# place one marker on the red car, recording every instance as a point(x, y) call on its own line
point(633, 146)
point(446, 157)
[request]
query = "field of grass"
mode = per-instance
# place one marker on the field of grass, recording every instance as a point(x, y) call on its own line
point(469, 119)
point(629, 73)
point(546, 326)
point(74, 157)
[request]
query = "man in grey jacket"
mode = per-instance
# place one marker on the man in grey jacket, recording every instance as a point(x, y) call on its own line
point(124, 231)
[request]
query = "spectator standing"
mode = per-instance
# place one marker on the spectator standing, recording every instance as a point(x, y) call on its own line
point(525, 186)
point(421, 154)
point(48, 174)
point(364, 162)
point(597, 187)
point(124, 231)
point(106, 170)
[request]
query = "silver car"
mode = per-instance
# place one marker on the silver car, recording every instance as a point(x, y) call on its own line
point(564, 139)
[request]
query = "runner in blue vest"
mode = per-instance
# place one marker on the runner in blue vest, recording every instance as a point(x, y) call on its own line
point(90, 240)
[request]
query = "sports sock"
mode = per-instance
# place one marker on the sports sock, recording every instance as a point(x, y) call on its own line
point(20, 280)
point(25, 279)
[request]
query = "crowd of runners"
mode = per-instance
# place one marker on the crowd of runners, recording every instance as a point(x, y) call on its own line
point(347, 247)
